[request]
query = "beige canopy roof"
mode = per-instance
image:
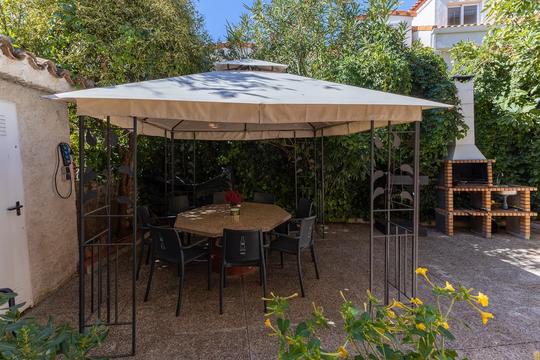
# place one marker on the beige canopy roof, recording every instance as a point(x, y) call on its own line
point(246, 105)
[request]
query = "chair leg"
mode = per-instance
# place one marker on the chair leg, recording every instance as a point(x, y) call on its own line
point(266, 260)
point(209, 268)
point(314, 258)
point(149, 252)
point(299, 265)
point(263, 272)
point(221, 286)
point(140, 259)
point(180, 286)
point(149, 279)
point(281, 258)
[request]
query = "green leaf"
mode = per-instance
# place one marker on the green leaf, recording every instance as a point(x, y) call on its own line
point(283, 325)
point(302, 330)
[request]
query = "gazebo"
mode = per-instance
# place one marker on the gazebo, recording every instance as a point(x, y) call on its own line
point(250, 100)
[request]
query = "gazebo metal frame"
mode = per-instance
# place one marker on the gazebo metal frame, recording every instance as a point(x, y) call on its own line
point(97, 292)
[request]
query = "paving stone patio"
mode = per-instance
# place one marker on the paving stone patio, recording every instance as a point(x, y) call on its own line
point(505, 267)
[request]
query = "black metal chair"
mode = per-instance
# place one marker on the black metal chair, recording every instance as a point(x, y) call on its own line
point(218, 197)
point(294, 243)
point(145, 219)
point(167, 247)
point(264, 198)
point(177, 204)
point(242, 248)
point(304, 209)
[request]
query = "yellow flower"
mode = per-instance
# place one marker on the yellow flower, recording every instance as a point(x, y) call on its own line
point(486, 316)
point(342, 352)
point(449, 287)
point(290, 341)
point(482, 299)
point(421, 326)
point(397, 304)
point(421, 271)
point(445, 325)
point(416, 301)
point(390, 314)
point(268, 323)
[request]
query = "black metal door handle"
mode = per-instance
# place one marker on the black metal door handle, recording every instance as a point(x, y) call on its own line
point(17, 208)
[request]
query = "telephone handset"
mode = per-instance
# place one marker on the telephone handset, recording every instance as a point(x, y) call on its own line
point(64, 152)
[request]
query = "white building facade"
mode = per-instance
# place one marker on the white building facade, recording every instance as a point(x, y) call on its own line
point(441, 24)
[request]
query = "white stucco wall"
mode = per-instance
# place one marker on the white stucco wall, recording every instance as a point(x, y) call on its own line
point(395, 20)
point(425, 15)
point(51, 222)
point(446, 38)
point(423, 36)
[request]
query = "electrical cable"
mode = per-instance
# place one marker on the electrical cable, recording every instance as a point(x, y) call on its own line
point(56, 177)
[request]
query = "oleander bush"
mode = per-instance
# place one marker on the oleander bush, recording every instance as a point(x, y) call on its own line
point(24, 338)
point(413, 330)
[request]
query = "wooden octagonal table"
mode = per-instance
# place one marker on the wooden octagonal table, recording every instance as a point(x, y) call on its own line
point(210, 220)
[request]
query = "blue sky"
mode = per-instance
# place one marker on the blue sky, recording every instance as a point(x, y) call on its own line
point(218, 12)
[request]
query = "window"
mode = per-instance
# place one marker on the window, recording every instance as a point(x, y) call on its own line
point(454, 15)
point(463, 14)
point(470, 14)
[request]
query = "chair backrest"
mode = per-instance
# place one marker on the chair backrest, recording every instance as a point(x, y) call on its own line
point(307, 225)
point(304, 208)
point(242, 246)
point(144, 218)
point(178, 204)
point(165, 242)
point(264, 198)
point(218, 197)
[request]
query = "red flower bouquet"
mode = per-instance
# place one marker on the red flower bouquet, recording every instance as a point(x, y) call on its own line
point(233, 197)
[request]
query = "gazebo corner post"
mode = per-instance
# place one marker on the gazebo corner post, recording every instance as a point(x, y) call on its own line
point(109, 222)
point(194, 161)
point(315, 179)
point(134, 244)
point(165, 164)
point(388, 215)
point(81, 226)
point(295, 172)
point(371, 203)
point(322, 181)
point(416, 205)
point(173, 174)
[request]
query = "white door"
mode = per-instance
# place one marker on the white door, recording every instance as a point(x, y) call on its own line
point(14, 261)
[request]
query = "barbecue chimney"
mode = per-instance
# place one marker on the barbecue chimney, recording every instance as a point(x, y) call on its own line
point(465, 148)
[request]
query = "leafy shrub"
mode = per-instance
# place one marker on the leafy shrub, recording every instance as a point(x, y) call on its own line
point(506, 69)
point(376, 331)
point(24, 338)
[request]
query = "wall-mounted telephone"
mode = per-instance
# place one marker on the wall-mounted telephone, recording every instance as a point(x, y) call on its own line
point(64, 152)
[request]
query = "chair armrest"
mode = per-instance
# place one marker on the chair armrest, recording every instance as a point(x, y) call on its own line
point(160, 220)
point(168, 217)
point(204, 240)
point(287, 236)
